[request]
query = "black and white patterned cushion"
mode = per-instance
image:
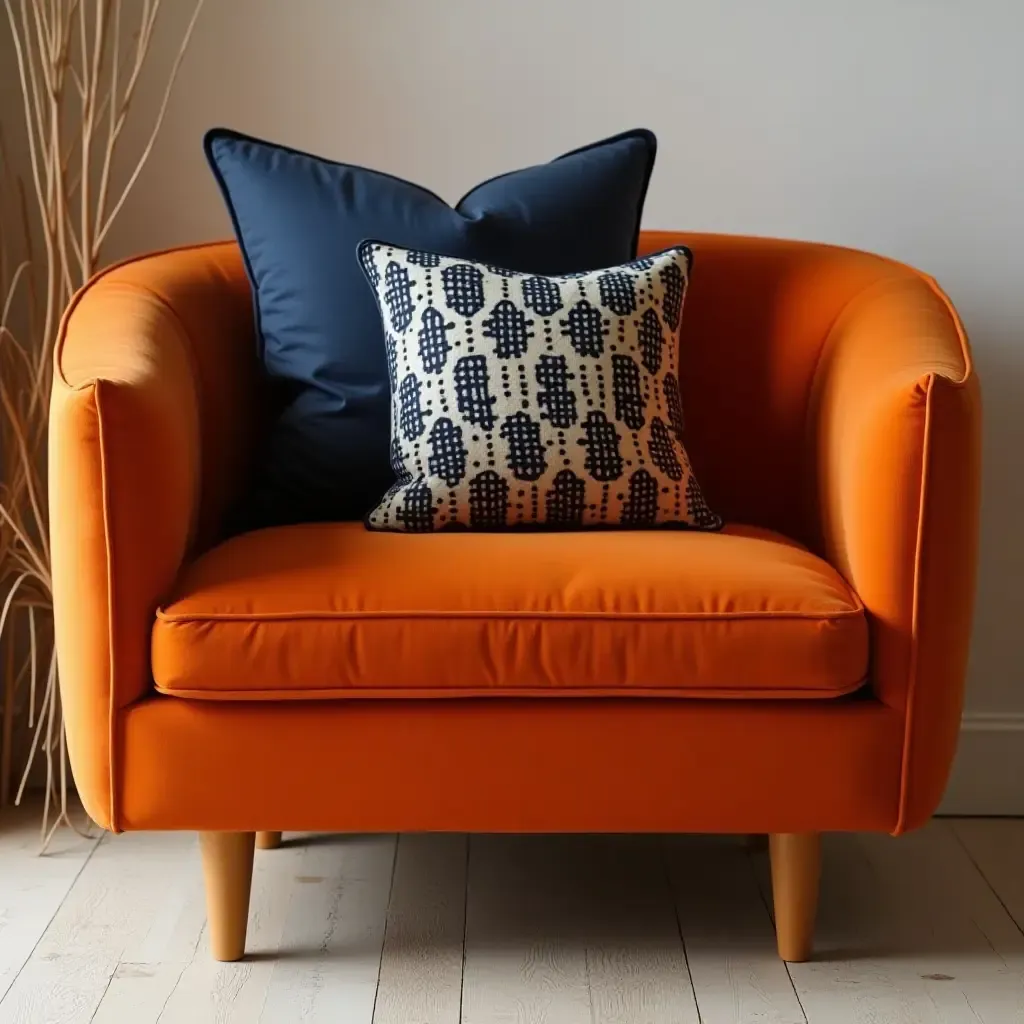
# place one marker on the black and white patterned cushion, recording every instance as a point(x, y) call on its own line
point(527, 401)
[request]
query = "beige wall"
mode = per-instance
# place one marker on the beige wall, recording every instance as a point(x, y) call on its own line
point(892, 125)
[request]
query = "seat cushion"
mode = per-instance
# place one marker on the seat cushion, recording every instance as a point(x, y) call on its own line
point(333, 610)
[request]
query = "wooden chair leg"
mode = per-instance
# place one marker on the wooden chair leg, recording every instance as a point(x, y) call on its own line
point(227, 870)
point(796, 869)
point(268, 840)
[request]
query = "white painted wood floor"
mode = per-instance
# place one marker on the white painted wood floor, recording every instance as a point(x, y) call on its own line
point(438, 929)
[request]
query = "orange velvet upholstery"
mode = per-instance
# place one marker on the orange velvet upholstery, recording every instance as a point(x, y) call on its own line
point(829, 398)
point(501, 764)
point(334, 610)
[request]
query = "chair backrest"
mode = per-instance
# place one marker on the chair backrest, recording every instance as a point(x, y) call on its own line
point(756, 319)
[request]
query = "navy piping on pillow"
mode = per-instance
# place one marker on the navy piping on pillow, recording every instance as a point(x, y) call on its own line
point(634, 133)
point(213, 134)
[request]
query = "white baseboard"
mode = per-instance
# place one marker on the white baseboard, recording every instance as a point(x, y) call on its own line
point(988, 775)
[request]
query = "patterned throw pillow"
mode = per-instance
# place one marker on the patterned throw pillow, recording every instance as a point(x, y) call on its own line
point(522, 401)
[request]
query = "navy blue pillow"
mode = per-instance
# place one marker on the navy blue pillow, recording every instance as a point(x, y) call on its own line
point(299, 220)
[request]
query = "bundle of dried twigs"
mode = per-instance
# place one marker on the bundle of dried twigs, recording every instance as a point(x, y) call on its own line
point(78, 65)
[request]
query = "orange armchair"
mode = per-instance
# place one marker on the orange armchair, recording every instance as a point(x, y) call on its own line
point(802, 672)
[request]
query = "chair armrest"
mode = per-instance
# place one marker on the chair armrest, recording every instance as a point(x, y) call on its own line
point(895, 428)
point(155, 404)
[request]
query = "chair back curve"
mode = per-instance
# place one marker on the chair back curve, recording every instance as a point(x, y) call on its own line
point(757, 314)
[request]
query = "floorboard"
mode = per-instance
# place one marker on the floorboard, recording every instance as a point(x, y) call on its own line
point(730, 940)
point(421, 963)
point(908, 933)
point(526, 958)
point(124, 886)
point(316, 927)
point(996, 847)
point(450, 929)
point(636, 963)
point(32, 888)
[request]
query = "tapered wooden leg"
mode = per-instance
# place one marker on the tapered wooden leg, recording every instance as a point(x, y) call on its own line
point(268, 840)
point(796, 869)
point(227, 869)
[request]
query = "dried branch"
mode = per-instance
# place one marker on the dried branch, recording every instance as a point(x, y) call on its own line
point(5, 316)
point(78, 74)
point(148, 148)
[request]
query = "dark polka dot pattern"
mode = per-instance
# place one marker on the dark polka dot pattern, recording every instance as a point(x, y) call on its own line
point(651, 341)
point(433, 337)
point(673, 281)
point(424, 259)
point(629, 398)
point(556, 399)
point(410, 413)
point(641, 507)
point(542, 295)
point(618, 291)
point(584, 327)
point(391, 354)
point(522, 401)
point(447, 459)
point(463, 288)
point(663, 451)
point(510, 328)
point(563, 503)
point(398, 296)
point(525, 448)
point(673, 404)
